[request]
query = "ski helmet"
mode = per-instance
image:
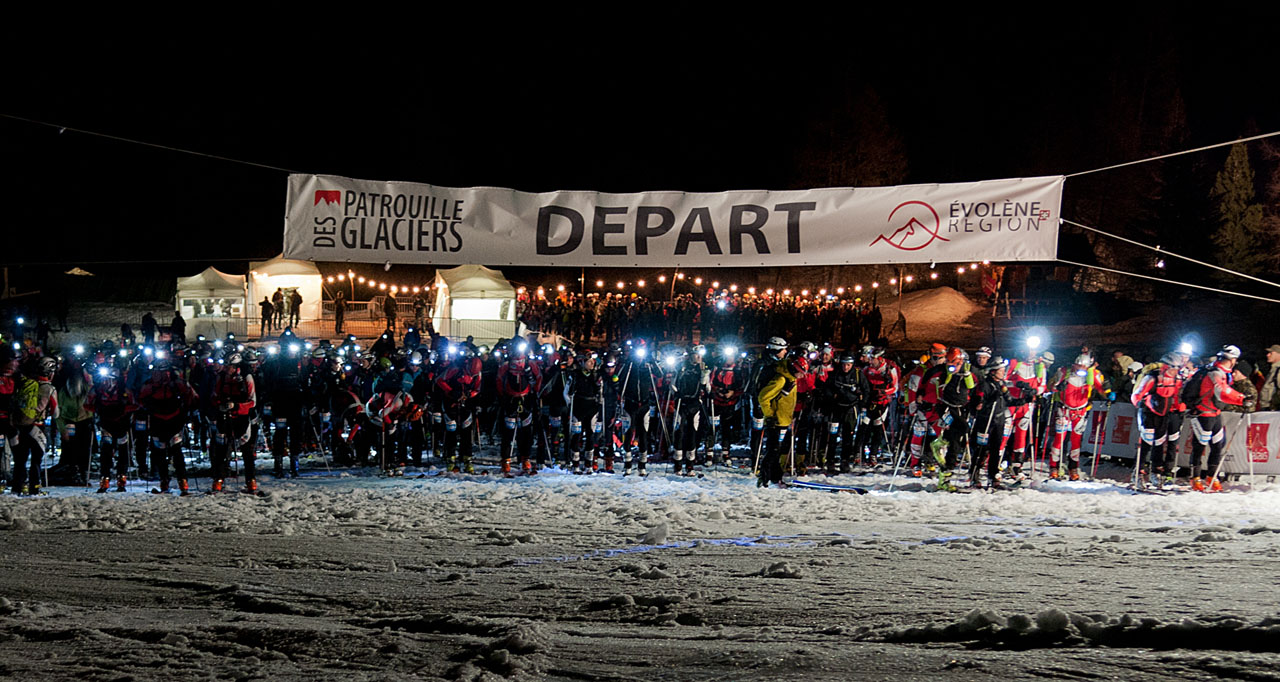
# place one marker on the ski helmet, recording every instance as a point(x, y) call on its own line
point(800, 363)
point(983, 350)
point(937, 350)
point(1047, 356)
point(776, 343)
point(847, 358)
point(1230, 352)
point(49, 366)
point(957, 357)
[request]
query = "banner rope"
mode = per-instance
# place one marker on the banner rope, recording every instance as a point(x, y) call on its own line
point(63, 129)
point(1168, 281)
point(1170, 253)
point(1166, 156)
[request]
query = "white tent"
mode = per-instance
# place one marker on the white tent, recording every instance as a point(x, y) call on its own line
point(284, 274)
point(472, 300)
point(211, 293)
point(212, 302)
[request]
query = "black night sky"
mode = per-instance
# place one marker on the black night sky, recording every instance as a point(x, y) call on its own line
point(620, 106)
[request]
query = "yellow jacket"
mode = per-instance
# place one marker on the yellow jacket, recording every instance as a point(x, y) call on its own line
point(777, 397)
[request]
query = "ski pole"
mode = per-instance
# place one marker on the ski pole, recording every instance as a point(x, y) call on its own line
point(1137, 458)
point(1099, 433)
point(1248, 418)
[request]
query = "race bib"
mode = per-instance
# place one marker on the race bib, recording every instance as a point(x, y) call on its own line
point(511, 423)
point(833, 428)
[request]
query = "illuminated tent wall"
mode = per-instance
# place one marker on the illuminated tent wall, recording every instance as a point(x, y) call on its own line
point(472, 300)
point(281, 273)
point(212, 302)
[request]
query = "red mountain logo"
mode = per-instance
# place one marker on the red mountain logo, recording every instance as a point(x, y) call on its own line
point(329, 196)
point(916, 233)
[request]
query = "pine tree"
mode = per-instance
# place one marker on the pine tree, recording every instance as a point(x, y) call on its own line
point(1240, 238)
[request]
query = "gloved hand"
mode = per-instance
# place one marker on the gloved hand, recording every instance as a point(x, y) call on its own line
point(1248, 403)
point(965, 369)
point(865, 419)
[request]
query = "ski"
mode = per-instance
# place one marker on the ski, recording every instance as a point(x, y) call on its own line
point(793, 483)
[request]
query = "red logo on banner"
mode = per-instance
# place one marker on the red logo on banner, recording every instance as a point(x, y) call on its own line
point(915, 233)
point(1120, 434)
point(1257, 442)
point(328, 196)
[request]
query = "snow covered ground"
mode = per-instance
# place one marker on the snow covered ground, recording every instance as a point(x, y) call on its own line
point(351, 576)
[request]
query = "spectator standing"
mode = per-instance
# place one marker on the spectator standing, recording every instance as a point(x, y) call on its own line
point(149, 329)
point(295, 308)
point(339, 311)
point(268, 312)
point(178, 328)
point(1269, 393)
point(277, 308)
point(389, 310)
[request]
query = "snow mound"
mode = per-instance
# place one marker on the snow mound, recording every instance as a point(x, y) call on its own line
point(1054, 627)
point(781, 569)
point(930, 307)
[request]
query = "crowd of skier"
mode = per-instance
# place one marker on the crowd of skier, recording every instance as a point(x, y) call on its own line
point(786, 408)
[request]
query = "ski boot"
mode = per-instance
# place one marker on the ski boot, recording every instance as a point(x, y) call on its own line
point(1214, 485)
point(182, 487)
point(1073, 475)
point(120, 484)
point(917, 472)
point(640, 470)
point(608, 465)
point(251, 487)
point(18, 490)
point(468, 468)
point(506, 469)
point(944, 483)
point(216, 486)
point(1197, 484)
point(1054, 473)
point(35, 490)
point(526, 468)
point(104, 485)
point(576, 464)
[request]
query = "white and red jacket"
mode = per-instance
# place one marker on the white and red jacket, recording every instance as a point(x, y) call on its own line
point(1157, 390)
point(1026, 379)
point(885, 379)
point(1214, 391)
point(1076, 387)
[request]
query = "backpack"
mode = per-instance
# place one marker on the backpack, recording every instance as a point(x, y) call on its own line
point(1190, 395)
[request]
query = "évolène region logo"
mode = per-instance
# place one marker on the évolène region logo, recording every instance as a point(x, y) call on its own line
point(920, 226)
point(328, 196)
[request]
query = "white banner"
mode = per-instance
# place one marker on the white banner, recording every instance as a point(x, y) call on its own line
point(331, 218)
point(1259, 440)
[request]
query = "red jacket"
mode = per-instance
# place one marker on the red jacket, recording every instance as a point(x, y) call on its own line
point(1214, 391)
point(1158, 390)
